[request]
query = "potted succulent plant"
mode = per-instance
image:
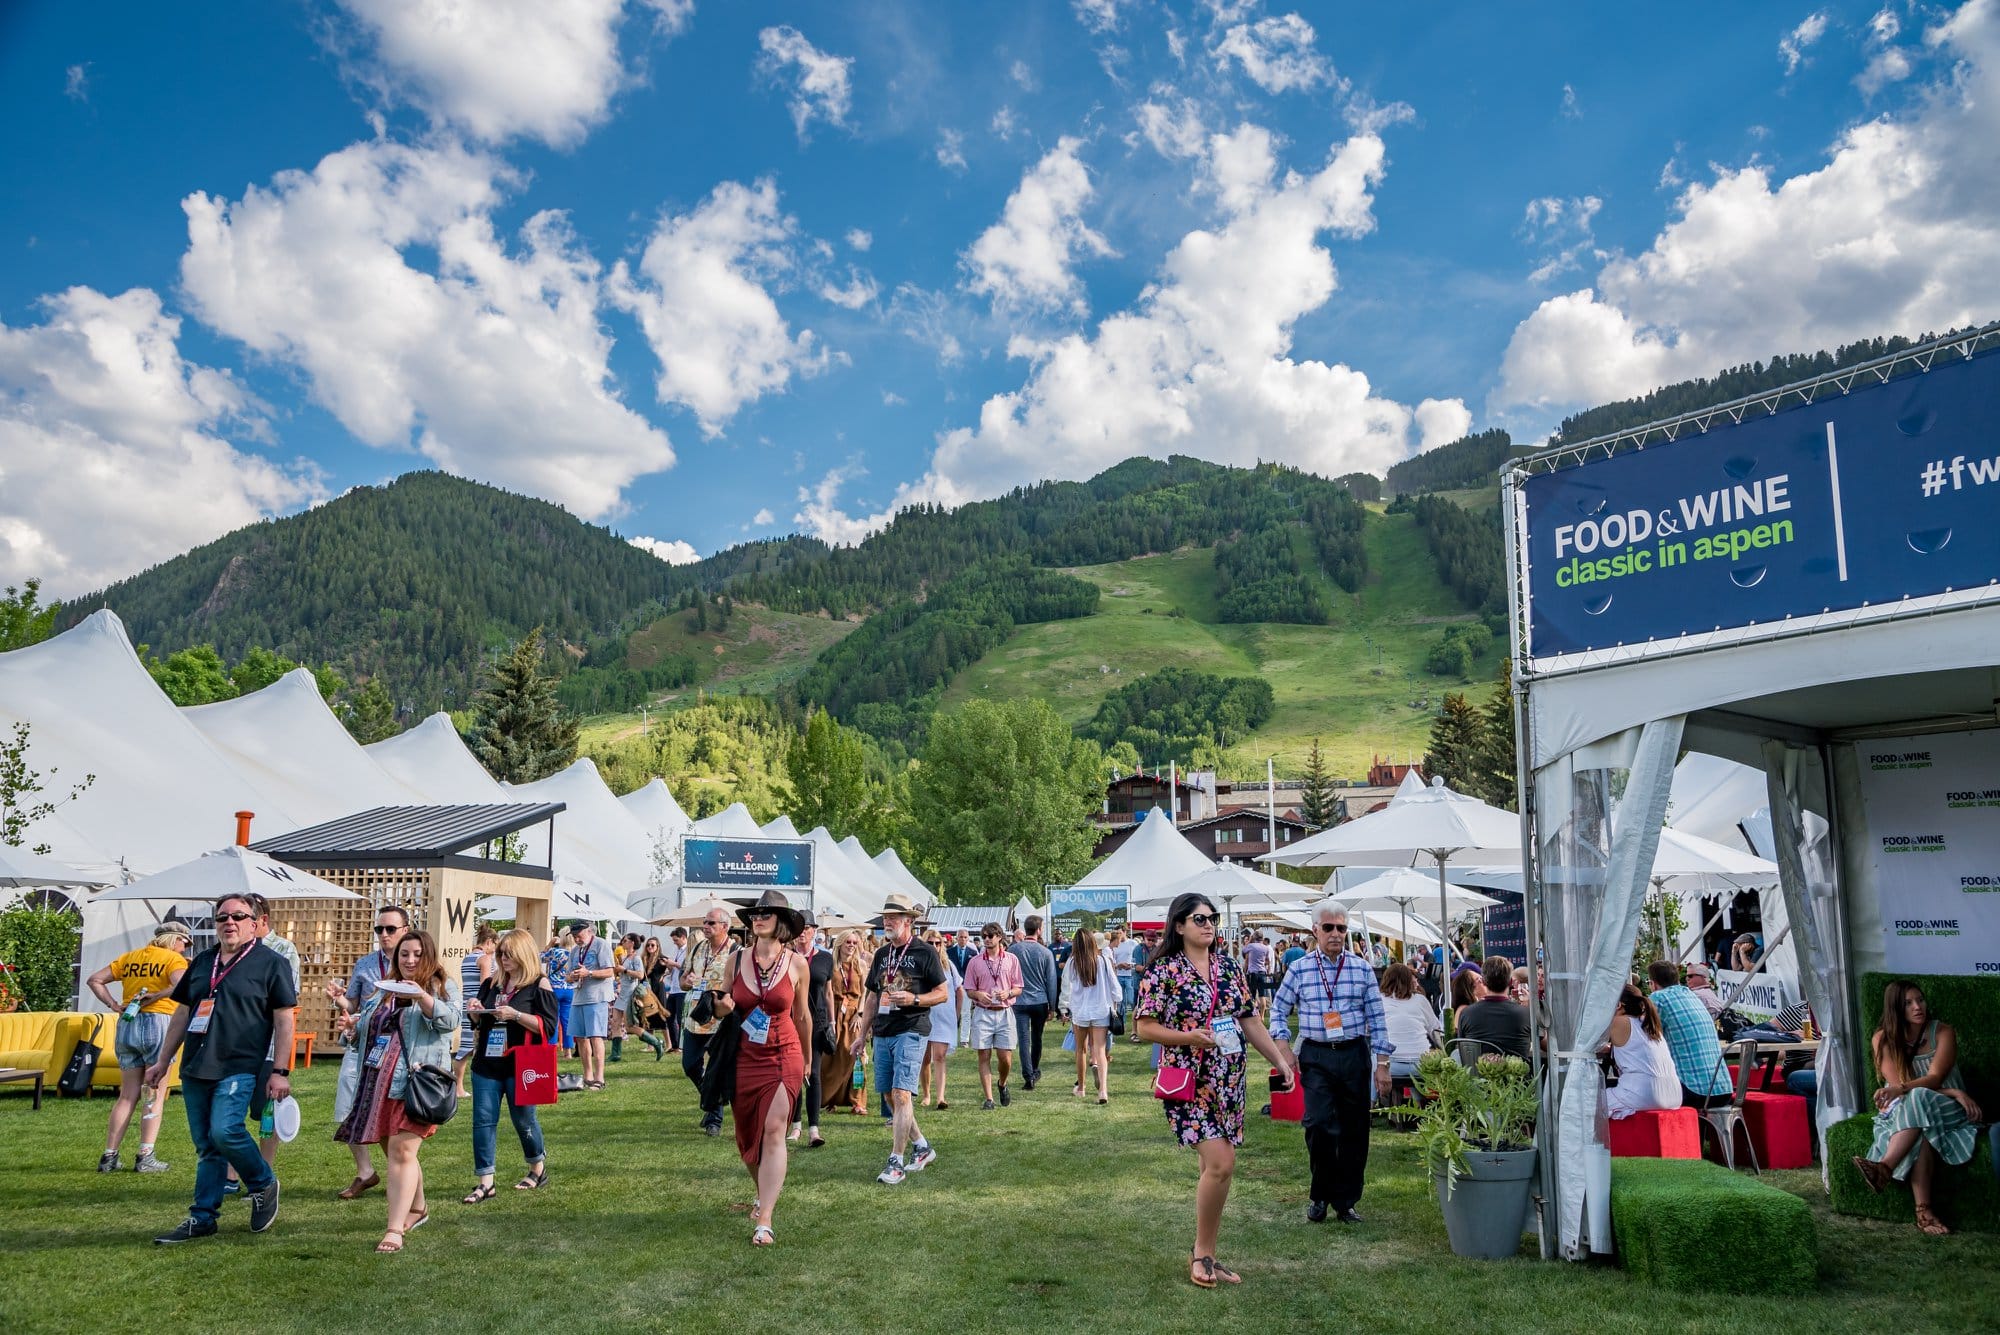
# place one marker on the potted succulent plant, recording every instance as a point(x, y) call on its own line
point(1475, 1132)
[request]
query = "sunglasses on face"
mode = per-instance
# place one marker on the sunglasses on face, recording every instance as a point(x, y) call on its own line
point(763, 913)
point(1202, 919)
point(1333, 927)
point(384, 930)
point(234, 917)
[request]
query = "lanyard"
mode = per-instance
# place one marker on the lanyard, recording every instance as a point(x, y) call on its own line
point(1319, 968)
point(891, 969)
point(214, 978)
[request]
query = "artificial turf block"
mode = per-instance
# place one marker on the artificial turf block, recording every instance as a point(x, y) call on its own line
point(1688, 1224)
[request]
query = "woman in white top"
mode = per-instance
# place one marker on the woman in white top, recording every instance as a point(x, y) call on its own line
point(945, 1017)
point(1413, 1022)
point(1646, 1078)
point(1090, 994)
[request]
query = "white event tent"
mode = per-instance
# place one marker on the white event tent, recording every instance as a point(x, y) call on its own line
point(732, 822)
point(898, 876)
point(1155, 856)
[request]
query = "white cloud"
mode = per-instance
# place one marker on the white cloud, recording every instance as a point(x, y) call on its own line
point(1173, 131)
point(1277, 53)
point(1899, 232)
point(1560, 230)
point(763, 517)
point(1023, 76)
point(1004, 123)
point(860, 290)
point(674, 551)
point(112, 449)
point(1887, 62)
point(493, 366)
point(928, 318)
point(1096, 15)
point(699, 294)
point(1202, 363)
point(891, 399)
point(1792, 47)
point(76, 82)
point(951, 150)
point(820, 90)
point(859, 240)
point(1024, 259)
point(502, 68)
point(820, 514)
point(1572, 109)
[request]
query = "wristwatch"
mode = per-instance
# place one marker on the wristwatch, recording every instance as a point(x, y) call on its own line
point(287, 1072)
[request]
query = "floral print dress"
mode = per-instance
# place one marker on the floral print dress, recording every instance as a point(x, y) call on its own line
point(1174, 993)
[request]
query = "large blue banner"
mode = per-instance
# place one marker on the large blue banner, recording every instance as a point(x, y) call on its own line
point(1096, 908)
point(709, 863)
point(1866, 499)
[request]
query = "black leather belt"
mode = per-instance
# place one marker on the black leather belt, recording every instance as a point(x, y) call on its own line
point(1329, 1043)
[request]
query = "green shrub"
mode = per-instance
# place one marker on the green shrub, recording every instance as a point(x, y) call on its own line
point(1689, 1224)
point(42, 946)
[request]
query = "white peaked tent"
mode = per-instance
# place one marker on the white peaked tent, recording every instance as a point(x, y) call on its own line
point(1233, 887)
point(287, 740)
point(732, 822)
point(868, 873)
point(161, 793)
point(432, 759)
point(655, 809)
point(663, 822)
point(1153, 858)
point(898, 876)
point(595, 824)
point(837, 886)
point(781, 828)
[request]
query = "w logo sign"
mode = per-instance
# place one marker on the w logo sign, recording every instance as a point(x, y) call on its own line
point(457, 914)
point(277, 871)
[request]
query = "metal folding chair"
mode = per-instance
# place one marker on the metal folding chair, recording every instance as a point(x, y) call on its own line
point(1728, 1119)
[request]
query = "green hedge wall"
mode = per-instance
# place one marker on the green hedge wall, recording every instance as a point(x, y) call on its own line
point(1967, 1197)
point(1692, 1225)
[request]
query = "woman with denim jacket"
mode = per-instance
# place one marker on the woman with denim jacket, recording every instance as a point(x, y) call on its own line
point(399, 1030)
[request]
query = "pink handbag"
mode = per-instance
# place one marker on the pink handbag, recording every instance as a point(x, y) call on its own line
point(1173, 1084)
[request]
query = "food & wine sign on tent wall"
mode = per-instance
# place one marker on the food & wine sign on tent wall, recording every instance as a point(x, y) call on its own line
point(1932, 824)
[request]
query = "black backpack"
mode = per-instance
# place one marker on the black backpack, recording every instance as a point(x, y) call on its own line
point(82, 1069)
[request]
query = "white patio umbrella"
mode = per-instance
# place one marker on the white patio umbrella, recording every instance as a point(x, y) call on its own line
point(692, 914)
point(568, 898)
point(1429, 827)
point(22, 870)
point(1238, 888)
point(232, 870)
point(1397, 889)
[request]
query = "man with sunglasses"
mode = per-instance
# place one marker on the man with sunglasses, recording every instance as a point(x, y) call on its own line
point(1341, 1023)
point(234, 1006)
point(391, 922)
point(993, 980)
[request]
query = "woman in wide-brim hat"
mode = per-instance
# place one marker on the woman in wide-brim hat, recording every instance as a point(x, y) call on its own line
point(771, 986)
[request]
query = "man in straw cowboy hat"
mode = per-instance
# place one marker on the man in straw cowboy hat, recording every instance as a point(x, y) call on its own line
point(905, 979)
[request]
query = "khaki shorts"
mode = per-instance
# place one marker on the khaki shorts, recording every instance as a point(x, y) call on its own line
point(992, 1029)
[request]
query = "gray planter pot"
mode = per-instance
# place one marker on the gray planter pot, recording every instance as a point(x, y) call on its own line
point(1486, 1212)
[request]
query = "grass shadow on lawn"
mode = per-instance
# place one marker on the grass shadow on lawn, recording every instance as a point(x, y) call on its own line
point(1053, 1214)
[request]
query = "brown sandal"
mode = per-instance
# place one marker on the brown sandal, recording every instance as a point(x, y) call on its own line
point(1928, 1223)
point(1202, 1272)
point(1876, 1175)
point(359, 1185)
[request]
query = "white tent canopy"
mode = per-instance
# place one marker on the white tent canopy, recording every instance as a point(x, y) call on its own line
point(1235, 888)
point(899, 876)
point(596, 825)
point(654, 807)
point(432, 759)
point(225, 871)
point(733, 821)
point(1153, 857)
point(780, 828)
point(837, 885)
point(22, 870)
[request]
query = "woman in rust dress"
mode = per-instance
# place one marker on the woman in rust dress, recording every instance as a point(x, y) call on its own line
point(850, 991)
point(769, 986)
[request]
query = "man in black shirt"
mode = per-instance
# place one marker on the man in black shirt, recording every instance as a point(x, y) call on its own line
point(905, 979)
point(235, 1006)
point(819, 1005)
point(1497, 1022)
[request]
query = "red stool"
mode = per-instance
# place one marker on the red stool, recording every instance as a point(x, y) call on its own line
point(1778, 1129)
point(1288, 1107)
point(1674, 1133)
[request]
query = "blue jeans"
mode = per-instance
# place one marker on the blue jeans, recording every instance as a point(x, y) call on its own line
point(1128, 983)
point(1807, 1083)
point(486, 1096)
point(898, 1059)
point(215, 1112)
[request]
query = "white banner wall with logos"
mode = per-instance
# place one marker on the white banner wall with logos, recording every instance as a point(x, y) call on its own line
point(1931, 809)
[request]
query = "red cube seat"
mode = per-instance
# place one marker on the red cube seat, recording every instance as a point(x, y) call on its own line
point(1674, 1133)
point(1778, 1129)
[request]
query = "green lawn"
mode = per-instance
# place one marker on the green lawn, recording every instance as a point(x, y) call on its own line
point(1050, 1215)
point(1355, 684)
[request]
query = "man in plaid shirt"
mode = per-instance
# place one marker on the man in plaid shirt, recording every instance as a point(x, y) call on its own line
point(1691, 1036)
point(1341, 1021)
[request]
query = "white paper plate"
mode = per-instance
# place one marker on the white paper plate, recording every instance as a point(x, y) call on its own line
point(400, 989)
point(285, 1117)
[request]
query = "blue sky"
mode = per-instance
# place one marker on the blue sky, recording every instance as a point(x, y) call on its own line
point(706, 272)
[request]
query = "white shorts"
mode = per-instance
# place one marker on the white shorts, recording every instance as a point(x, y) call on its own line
point(992, 1029)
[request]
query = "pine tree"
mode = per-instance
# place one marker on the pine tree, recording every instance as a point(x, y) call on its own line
point(371, 715)
point(1493, 770)
point(1316, 791)
point(1456, 738)
point(519, 731)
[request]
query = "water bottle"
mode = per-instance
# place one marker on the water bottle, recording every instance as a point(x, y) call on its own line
point(131, 1011)
point(860, 1077)
point(267, 1125)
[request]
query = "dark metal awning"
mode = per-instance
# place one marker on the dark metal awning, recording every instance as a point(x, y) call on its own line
point(407, 836)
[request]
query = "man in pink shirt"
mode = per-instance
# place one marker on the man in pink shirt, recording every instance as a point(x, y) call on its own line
point(993, 980)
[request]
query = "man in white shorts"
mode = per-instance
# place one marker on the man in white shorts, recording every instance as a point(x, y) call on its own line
point(992, 981)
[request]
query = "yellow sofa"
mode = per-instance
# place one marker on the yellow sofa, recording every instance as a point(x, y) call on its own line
point(45, 1040)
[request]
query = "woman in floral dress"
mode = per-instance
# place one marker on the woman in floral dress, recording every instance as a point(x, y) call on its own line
point(1924, 1116)
point(1195, 1002)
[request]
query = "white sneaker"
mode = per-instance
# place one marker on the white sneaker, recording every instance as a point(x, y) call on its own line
point(922, 1159)
point(892, 1175)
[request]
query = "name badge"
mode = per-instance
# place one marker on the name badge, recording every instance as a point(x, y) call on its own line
point(1228, 1038)
point(375, 1053)
point(1334, 1024)
point(756, 1027)
point(496, 1041)
point(198, 1022)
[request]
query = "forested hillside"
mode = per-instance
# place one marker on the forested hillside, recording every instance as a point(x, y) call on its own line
point(1470, 461)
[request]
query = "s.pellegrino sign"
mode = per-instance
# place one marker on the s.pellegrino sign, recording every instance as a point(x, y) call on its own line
point(713, 863)
point(1862, 500)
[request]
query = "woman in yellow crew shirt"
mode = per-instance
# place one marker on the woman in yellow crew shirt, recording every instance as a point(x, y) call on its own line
point(147, 977)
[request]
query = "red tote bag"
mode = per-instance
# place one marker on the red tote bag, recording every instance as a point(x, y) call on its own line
point(534, 1074)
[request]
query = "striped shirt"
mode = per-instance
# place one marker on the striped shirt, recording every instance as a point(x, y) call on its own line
point(1344, 985)
point(1691, 1037)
